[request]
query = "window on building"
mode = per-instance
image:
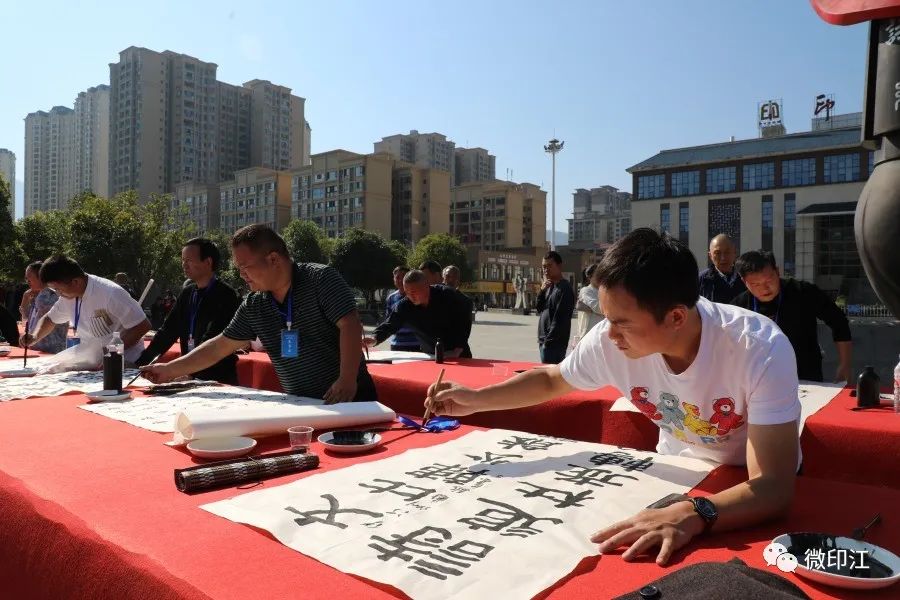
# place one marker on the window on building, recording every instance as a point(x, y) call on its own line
point(723, 179)
point(768, 222)
point(800, 171)
point(839, 168)
point(684, 222)
point(665, 217)
point(651, 186)
point(686, 183)
point(759, 176)
point(725, 217)
point(790, 234)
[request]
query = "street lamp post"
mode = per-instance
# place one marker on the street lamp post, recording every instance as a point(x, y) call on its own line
point(553, 147)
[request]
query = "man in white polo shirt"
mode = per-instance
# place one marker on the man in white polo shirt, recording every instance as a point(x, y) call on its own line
point(95, 307)
point(719, 381)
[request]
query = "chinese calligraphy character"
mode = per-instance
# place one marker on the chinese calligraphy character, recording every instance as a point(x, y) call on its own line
point(893, 32)
point(493, 459)
point(587, 476)
point(504, 519)
point(394, 488)
point(456, 474)
point(432, 560)
point(308, 517)
point(627, 461)
point(559, 498)
point(527, 443)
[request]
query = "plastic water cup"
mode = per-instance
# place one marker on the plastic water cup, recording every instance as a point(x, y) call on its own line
point(300, 436)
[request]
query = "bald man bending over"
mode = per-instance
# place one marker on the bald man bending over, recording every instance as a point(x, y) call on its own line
point(720, 282)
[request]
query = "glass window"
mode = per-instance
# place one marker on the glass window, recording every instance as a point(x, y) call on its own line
point(725, 217)
point(665, 217)
point(651, 186)
point(801, 171)
point(723, 179)
point(686, 183)
point(759, 176)
point(768, 222)
point(790, 233)
point(684, 221)
point(318, 193)
point(840, 168)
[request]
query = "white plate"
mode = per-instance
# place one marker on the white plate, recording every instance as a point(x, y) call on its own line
point(221, 447)
point(108, 395)
point(26, 372)
point(327, 440)
point(885, 559)
point(4, 351)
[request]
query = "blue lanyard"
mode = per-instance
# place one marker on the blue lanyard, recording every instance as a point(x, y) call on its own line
point(777, 310)
point(196, 299)
point(290, 307)
point(77, 313)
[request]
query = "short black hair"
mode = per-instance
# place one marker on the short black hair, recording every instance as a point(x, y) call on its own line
point(431, 266)
point(401, 269)
point(415, 276)
point(754, 262)
point(35, 266)
point(60, 267)
point(262, 239)
point(207, 250)
point(554, 256)
point(658, 270)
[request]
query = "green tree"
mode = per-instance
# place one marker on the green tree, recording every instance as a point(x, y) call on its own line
point(227, 271)
point(41, 235)
point(444, 249)
point(401, 252)
point(304, 241)
point(365, 261)
point(9, 248)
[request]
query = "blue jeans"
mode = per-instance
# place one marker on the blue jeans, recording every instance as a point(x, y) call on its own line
point(552, 354)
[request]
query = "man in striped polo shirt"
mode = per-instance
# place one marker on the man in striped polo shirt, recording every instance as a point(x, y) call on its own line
point(304, 314)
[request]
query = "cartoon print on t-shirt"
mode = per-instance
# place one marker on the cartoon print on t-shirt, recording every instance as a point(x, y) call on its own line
point(694, 423)
point(668, 408)
point(724, 416)
point(639, 397)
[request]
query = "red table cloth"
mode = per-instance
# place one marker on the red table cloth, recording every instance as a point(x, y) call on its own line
point(88, 509)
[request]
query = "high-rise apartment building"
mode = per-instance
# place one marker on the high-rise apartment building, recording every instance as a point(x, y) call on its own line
point(474, 164)
point(255, 195)
point(49, 159)
point(430, 150)
point(8, 170)
point(499, 215)
point(600, 217)
point(172, 121)
point(91, 145)
point(197, 204)
point(420, 202)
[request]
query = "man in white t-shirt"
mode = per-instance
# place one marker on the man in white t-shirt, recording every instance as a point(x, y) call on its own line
point(95, 307)
point(719, 381)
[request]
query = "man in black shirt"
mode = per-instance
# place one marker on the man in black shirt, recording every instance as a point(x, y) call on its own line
point(9, 330)
point(433, 312)
point(203, 309)
point(556, 304)
point(721, 282)
point(433, 272)
point(795, 306)
point(305, 316)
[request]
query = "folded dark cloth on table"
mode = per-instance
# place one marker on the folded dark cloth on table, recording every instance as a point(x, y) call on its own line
point(251, 469)
point(718, 581)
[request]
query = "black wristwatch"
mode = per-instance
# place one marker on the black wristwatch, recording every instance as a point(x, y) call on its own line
point(707, 511)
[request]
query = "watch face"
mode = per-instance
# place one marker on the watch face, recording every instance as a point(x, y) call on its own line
point(706, 509)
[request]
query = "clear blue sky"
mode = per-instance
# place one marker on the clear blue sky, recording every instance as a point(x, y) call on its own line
point(617, 81)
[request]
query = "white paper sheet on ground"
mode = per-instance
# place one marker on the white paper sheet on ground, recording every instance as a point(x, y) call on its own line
point(157, 413)
point(398, 355)
point(493, 514)
point(199, 423)
point(814, 395)
point(56, 384)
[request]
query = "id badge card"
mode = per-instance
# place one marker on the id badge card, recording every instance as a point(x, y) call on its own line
point(190, 344)
point(71, 342)
point(290, 343)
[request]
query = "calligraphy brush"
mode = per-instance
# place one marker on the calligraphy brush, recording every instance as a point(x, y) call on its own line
point(27, 333)
point(133, 379)
point(365, 346)
point(436, 386)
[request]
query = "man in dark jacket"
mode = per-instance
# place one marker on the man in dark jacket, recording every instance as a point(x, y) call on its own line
point(720, 282)
point(556, 304)
point(201, 312)
point(795, 306)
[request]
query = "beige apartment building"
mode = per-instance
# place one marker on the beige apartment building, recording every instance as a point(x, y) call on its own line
point(198, 204)
point(8, 170)
point(172, 121)
point(429, 150)
point(600, 216)
point(50, 166)
point(255, 195)
point(499, 215)
point(474, 164)
point(91, 144)
point(420, 202)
